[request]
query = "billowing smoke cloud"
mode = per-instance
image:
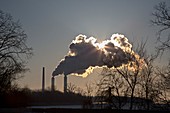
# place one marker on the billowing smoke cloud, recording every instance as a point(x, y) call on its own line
point(85, 54)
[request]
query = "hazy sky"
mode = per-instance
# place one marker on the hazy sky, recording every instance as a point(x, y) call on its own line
point(52, 24)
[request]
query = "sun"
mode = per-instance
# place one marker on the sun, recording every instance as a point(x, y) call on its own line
point(101, 45)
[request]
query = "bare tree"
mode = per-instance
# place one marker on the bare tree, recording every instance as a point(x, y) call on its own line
point(14, 51)
point(129, 77)
point(131, 73)
point(146, 82)
point(89, 92)
point(112, 88)
point(149, 90)
point(164, 84)
point(135, 79)
point(89, 89)
point(161, 19)
point(71, 88)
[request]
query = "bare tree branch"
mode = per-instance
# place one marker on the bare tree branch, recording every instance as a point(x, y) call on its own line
point(14, 51)
point(161, 19)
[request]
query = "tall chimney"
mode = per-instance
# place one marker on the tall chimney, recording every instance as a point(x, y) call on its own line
point(43, 79)
point(65, 83)
point(52, 83)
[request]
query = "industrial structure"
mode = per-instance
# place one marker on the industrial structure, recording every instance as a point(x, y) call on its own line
point(65, 83)
point(52, 82)
point(43, 79)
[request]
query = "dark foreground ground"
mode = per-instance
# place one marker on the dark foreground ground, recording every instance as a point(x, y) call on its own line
point(92, 111)
point(56, 110)
point(18, 102)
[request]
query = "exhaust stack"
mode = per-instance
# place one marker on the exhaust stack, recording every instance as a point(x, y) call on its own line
point(52, 83)
point(65, 83)
point(43, 79)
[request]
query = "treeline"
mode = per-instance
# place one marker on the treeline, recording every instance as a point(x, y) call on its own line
point(15, 98)
point(24, 97)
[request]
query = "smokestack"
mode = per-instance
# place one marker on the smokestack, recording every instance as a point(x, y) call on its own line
point(43, 79)
point(65, 83)
point(52, 83)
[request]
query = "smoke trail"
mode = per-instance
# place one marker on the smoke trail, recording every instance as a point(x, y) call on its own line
point(85, 54)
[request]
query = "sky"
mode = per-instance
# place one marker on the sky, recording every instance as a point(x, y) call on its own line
point(51, 25)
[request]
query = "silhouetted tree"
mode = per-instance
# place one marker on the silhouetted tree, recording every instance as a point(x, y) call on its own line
point(148, 80)
point(161, 19)
point(164, 84)
point(136, 79)
point(131, 74)
point(89, 92)
point(71, 88)
point(112, 88)
point(13, 51)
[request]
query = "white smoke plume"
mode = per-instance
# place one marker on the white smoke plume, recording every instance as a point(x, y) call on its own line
point(85, 54)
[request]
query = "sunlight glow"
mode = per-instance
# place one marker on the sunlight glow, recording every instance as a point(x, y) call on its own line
point(101, 46)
